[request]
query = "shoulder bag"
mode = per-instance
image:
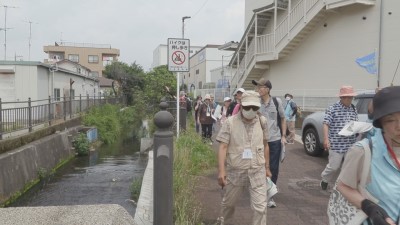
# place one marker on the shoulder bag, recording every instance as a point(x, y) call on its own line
point(342, 212)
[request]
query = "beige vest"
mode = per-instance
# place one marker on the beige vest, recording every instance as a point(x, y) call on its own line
point(237, 144)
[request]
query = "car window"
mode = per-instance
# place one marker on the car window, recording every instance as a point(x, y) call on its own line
point(362, 105)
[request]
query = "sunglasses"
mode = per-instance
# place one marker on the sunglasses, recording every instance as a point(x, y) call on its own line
point(247, 108)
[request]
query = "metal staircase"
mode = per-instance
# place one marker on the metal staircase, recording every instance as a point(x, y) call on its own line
point(275, 31)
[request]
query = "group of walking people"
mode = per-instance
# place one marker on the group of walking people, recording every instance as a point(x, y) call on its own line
point(369, 178)
point(255, 126)
point(250, 148)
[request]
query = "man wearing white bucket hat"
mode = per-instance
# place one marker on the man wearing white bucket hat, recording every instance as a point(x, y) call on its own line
point(244, 147)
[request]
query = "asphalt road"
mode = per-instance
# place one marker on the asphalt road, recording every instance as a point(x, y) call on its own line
point(300, 200)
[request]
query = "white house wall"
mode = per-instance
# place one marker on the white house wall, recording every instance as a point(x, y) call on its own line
point(43, 84)
point(25, 82)
point(325, 60)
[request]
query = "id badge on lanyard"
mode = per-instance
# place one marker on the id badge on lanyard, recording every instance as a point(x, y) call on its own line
point(247, 154)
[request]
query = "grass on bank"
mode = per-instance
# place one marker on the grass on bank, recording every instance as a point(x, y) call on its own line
point(191, 158)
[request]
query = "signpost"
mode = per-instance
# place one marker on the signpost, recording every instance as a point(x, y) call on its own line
point(178, 61)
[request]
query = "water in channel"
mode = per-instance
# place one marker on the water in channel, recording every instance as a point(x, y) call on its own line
point(104, 177)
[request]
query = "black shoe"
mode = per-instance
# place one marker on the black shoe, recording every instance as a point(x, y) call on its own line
point(324, 185)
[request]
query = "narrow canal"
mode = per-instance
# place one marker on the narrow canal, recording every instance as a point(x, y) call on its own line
point(104, 177)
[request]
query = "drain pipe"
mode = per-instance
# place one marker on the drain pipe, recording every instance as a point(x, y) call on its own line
point(380, 44)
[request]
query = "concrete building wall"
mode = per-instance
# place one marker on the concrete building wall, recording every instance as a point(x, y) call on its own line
point(325, 60)
point(104, 55)
point(201, 64)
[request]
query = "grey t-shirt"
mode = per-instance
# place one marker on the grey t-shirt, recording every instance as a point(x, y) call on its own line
point(269, 111)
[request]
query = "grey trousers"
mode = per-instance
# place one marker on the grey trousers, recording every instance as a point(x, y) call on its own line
point(334, 164)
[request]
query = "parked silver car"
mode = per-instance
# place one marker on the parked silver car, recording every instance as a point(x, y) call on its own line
point(312, 128)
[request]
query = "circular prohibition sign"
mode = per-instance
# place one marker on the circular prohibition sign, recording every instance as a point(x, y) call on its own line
point(178, 57)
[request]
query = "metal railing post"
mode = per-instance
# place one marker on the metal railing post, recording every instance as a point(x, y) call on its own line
point(182, 117)
point(1, 121)
point(80, 103)
point(88, 103)
point(65, 108)
point(163, 164)
point(30, 114)
point(70, 105)
point(49, 110)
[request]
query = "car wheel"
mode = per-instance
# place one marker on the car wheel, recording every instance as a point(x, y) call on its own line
point(311, 143)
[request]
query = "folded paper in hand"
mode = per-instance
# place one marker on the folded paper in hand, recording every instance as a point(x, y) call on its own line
point(283, 153)
point(355, 127)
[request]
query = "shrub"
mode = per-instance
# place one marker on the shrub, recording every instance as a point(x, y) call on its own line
point(81, 144)
point(135, 188)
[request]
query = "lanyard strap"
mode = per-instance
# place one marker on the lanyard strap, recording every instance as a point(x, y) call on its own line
point(391, 152)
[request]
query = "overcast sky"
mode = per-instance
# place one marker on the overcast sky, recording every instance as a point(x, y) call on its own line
point(136, 27)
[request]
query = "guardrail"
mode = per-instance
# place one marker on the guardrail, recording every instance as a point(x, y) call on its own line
point(24, 115)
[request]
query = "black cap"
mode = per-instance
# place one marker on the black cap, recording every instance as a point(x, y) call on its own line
point(262, 82)
point(385, 102)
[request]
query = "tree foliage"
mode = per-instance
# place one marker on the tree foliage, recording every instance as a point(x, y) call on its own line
point(144, 90)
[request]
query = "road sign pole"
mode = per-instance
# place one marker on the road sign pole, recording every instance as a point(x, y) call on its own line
point(177, 104)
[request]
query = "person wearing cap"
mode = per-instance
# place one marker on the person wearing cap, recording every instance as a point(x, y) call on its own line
point(244, 148)
point(204, 118)
point(224, 110)
point(383, 182)
point(272, 109)
point(239, 93)
point(290, 115)
point(336, 117)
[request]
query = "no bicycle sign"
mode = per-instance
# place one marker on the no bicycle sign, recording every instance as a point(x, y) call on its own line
point(178, 55)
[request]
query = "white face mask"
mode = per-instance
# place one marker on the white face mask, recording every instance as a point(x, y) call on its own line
point(287, 98)
point(249, 114)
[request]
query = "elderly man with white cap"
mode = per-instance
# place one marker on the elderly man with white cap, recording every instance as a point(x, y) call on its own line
point(336, 117)
point(244, 147)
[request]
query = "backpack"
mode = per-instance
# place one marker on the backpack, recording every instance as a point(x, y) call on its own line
point(296, 109)
point(188, 105)
point(278, 117)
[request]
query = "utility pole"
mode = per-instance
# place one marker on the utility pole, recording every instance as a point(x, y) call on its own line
point(30, 37)
point(5, 29)
point(183, 25)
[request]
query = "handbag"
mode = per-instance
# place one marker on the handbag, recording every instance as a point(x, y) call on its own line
point(342, 212)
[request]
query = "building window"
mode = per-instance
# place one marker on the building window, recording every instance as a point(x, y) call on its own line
point(93, 59)
point(57, 94)
point(197, 71)
point(73, 58)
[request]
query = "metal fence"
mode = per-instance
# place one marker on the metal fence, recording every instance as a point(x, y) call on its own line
point(24, 115)
point(308, 99)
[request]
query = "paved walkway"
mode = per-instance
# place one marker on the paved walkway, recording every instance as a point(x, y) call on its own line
point(300, 199)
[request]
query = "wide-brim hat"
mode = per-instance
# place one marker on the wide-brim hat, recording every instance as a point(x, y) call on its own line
point(251, 98)
point(385, 102)
point(347, 91)
point(207, 96)
point(262, 82)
